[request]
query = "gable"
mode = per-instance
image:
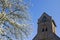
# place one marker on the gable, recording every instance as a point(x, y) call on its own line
point(44, 17)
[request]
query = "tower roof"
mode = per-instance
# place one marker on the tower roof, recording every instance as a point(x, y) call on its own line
point(48, 16)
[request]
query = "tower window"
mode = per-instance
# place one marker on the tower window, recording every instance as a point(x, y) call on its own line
point(46, 29)
point(43, 30)
point(44, 19)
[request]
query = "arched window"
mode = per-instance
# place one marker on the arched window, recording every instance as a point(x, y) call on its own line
point(46, 29)
point(44, 19)
point(43, 30)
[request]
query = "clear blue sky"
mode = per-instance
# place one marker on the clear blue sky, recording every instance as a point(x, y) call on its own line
point(51, 7)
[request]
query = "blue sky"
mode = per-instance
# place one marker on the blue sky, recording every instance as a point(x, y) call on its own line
point(51, 7)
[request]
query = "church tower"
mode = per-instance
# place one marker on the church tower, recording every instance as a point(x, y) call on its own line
point(46, 28)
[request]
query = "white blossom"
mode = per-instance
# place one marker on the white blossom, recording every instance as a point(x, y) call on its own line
point(13, 18)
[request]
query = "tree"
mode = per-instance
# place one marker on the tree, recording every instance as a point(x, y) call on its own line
point(14, 20)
